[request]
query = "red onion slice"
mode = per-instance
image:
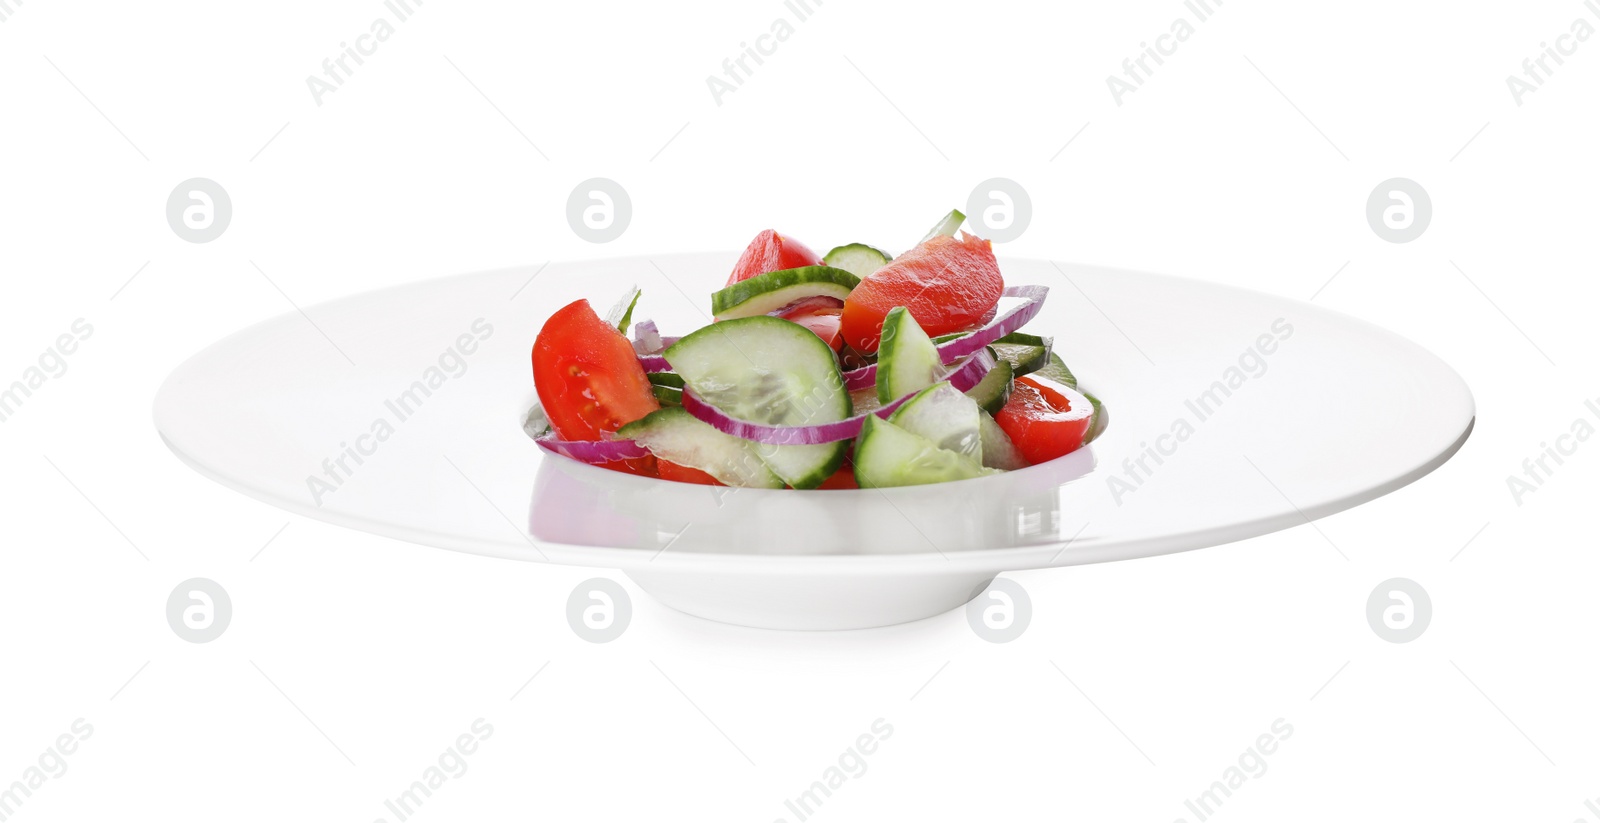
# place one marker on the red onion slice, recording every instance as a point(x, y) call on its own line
point(964, 376)
point(593, 451)
point(806, 304)
point(649, 344)
point(1012, 320)
point(647, 338)
point(654, 362)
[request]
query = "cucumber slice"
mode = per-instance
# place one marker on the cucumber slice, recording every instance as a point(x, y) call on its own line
point(1025, 352)
point(769, 292)
point(859, 259)
point(887, 455)
point(768, 370)
point(1057, 370)
point(907, 360)
point(998, 450)
point(621, 314)
point(946, 417)
point(946, 226)
point(1097, 426)
point(1025, 339)
point(535, 423)
point(667, 387)
point(674, 434)
point(994, 389)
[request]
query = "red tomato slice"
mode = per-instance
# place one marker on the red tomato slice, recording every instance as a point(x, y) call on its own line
point(684, 474)
point(844, 478)
point(771, 251)
point(1044, 418)
point(824, 322)
point(946, 284)
point(589, 379)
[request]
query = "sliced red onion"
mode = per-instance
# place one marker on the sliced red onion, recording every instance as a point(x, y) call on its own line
point(649, 344)
point(963, 376)
point(593, 451)
point(646, 338)
point(1012, 320)
point(805, 304)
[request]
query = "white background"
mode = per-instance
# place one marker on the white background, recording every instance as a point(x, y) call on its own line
point(381, 653)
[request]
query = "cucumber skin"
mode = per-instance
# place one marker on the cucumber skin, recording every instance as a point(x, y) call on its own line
point(667, 396)
point(829, 456)
point(1097, 426)
point(846, 253)
point(824, 470)
point(986, 395)
point(1026, 353)
point(668, 418)
point(1025, 339)
point(947, 226)
point(893, 351)
point(879, 435)
point(998, 450)
point(667, 387)
point(1015, 349)
point(726, 304)
point(1057, 370)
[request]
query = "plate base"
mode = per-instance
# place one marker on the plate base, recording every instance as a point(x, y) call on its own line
point(805, 602)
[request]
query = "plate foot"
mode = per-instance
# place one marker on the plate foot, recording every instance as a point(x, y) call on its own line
point(799, 601)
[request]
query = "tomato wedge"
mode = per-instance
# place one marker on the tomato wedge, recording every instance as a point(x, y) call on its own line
point(947, 284)
point(844, 478)
point(823, 322)
point(589, 379)
point(771, 251)
point(684, 474)
point(1045, 419)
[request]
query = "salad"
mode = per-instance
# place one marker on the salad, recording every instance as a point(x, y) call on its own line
point(850, 370)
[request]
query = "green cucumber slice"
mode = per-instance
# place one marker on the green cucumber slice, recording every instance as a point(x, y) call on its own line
point(946, 226)
point(667, 387)
point(621, 314)
point(1025, 352)
point(907, 360)
point(535, 423)
point(769, 370)
point(1025, 339)
point(674, 434)
point(994, 389)
point(859, 259)
point(946, 417)
point(1102, 418)
point(887, 456)
point(1057, 370)
point(998, 450)
point(769, 292)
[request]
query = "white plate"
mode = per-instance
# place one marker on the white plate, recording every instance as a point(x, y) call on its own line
point(1317, 412)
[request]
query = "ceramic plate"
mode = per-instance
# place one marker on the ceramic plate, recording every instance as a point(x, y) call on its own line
point(1232, 414)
